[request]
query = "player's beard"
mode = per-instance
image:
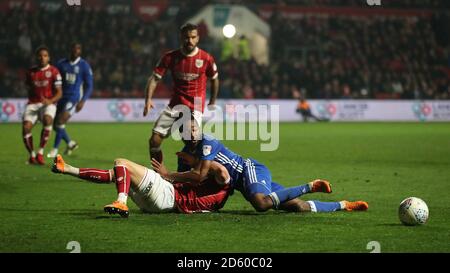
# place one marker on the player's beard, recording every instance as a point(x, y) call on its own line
point(188, 49)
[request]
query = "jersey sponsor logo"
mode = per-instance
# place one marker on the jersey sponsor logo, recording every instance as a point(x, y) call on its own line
point(206, 150)
point(198, 63)
point(48, 74)
point(76, 69)
point(41, 83)
point(186, 76)
point(71, 78)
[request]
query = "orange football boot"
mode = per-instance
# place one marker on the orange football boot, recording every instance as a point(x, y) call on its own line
point(357, 205)
point(58, 164)
point(117, 207)
point(320, 185)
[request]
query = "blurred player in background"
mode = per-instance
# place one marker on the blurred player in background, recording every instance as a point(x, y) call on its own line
point(77, 86)
point(150, 191)
point(250, 177)
point(44, 90)
point(190, 66)
point(304, 109)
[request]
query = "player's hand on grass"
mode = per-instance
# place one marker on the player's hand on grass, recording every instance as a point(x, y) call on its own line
point(159, 168)
point(79, 106)
point(148, 106)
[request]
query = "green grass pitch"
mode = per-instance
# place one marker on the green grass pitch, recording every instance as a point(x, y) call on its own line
point(382, 163)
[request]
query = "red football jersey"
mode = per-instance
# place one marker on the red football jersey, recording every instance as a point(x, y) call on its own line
point(189, 75)
point(42, 82)
point(208, 196)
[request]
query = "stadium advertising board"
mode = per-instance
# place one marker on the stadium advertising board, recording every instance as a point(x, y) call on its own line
point(130, 110)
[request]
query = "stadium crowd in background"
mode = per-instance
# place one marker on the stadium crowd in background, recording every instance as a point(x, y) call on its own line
point(326, 56)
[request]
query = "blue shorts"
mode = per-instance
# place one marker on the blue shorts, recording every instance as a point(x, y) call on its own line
point(66, 105)
point(257, 179)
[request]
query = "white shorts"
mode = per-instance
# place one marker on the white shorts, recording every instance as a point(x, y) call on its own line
point(167, 118)
point(36, 111)
point(154, 194)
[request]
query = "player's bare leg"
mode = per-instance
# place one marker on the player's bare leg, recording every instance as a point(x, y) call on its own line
point(295, 205)
point(155, 142)
point(27, 126)
point(45, 135)
point(261, 202)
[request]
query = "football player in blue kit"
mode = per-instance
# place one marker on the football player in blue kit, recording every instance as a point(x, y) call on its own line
point(77, 85)
point(248, 176)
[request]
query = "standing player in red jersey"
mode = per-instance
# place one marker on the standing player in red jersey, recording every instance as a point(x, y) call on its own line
point(190, 67)
point(44, 90)
point(150, 191)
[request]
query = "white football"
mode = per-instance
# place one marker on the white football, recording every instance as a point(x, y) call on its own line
point(413, 211)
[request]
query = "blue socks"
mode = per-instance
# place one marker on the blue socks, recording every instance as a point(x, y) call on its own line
point(317, 206)
point(287, 194)
point(61, 134)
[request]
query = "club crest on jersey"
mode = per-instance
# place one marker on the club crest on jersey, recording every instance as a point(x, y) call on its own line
point(48, 74)
point(76, 69)
point(198, 63)
point(206, 149)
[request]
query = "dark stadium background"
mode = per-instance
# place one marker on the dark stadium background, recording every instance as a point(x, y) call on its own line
point(325, 49)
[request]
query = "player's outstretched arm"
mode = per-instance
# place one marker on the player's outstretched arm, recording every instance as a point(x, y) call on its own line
point(149, 90)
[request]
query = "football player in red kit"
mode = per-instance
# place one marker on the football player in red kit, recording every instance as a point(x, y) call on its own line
point(151, 192)
point(44, 90)
point(190, 67)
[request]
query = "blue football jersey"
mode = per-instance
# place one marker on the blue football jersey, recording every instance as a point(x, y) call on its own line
point(210, 148)
point(77, 79)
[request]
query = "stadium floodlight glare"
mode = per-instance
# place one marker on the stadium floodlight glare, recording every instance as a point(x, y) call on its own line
point(229, 31)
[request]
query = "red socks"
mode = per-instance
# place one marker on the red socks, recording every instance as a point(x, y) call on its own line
point(123, 179)
point(95, 175)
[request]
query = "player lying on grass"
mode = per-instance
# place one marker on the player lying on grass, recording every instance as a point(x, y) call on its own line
point(150, 191)
point(248, 176)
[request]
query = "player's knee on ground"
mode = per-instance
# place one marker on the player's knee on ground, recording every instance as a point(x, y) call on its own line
point(303, 206)
point(261, 203)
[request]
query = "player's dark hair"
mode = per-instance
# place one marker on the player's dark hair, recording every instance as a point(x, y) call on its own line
point(40, 48)
point(74, 43)
point(193, 120)
point(188, 27)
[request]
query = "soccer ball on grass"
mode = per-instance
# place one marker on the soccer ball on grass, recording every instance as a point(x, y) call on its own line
point(413, 211)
